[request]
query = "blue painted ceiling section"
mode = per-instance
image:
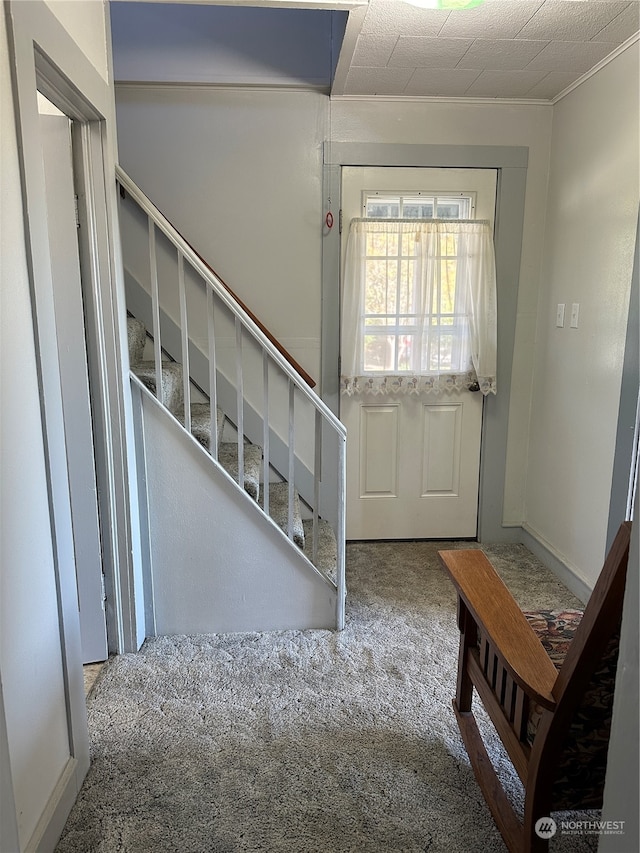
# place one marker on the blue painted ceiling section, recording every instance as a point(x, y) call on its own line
point(225, 45)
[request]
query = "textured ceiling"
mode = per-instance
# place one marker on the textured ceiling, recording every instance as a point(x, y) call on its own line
point(508, 49)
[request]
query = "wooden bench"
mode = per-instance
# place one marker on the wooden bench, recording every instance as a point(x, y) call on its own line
point(542, 711)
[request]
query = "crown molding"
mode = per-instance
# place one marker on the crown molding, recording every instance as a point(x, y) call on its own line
point(440, 99)
point(600, 65)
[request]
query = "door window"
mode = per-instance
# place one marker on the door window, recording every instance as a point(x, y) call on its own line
point(420, 295)
point(421, 205)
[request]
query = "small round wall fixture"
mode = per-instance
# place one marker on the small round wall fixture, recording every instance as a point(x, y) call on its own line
point(445, 4)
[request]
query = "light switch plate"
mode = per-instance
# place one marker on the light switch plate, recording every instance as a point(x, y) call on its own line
point(575, 313)
point(560, 315)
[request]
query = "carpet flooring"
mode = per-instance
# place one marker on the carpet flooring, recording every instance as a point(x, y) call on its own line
point(303, 742)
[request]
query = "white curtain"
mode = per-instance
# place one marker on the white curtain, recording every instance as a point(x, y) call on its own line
point(419, 307)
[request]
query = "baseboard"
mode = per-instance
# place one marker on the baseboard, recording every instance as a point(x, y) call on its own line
point(49, 828)
point(556, 562)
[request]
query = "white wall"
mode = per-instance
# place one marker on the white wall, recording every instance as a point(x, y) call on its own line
point(241, 179)
point(86, 22)
point(588, 259)
point(37, 751)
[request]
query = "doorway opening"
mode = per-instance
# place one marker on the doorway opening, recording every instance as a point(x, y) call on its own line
point(75, 344)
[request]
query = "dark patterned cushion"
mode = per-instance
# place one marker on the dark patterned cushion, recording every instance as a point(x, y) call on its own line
point(580, 778)
point(555, 630)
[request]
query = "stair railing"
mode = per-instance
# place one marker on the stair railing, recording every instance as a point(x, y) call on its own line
point(316, 470)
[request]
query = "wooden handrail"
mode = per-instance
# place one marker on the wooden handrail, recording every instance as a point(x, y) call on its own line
point(265, 331)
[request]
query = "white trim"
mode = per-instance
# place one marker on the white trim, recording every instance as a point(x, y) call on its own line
point(221, 87)
point(311, 85)
point(565, 571)
point(442, 99)
point(331, 5)
point(9, 838)
point(52, 820)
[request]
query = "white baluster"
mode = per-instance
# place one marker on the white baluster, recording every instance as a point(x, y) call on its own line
point(292, 443)
point(155, 309)
point(317, 476)
point(240, 402)
point(340, 532)
point(213, 392)
point(265, 430)
point(186, 385)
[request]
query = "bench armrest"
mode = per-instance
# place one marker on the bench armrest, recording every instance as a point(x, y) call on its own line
point(499, 618)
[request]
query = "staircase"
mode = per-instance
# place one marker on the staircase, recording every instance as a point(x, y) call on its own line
point(221, 413)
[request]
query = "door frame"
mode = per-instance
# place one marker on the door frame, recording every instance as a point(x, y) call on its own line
point(44, 56)
point(510, 162)
point(69, 286)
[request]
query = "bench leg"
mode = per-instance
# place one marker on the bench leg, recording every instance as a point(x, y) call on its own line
point(468, 639)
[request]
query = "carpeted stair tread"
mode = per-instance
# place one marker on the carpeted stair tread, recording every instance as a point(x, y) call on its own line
point(201, 423)
point(279, 510)
point(137, 338)
point(172, 390)
point(327, 559)
point(228, 458)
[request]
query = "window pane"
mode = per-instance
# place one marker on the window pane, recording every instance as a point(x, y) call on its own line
point(398, 339)
point(417, 208)
point(438, 351)
point(381, 287)
point(454, 208)
point(379, 352)
point(448, 211)
point(405, 352)
point(448, 268)
point(383, 208)
point(381, 245)
point(380, 324)
point(407, 287)
point(449, 245)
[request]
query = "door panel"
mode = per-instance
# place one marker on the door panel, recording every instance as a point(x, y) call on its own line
point(378, 451)
point(441, 449)
point(416, 470)
point(74, 381)
point(413, 463)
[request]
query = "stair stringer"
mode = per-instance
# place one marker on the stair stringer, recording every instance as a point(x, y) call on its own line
point(241, 572)
point(139, 303)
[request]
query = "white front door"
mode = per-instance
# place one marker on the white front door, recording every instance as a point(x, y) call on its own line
point(413, 461)
point(74, 381)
